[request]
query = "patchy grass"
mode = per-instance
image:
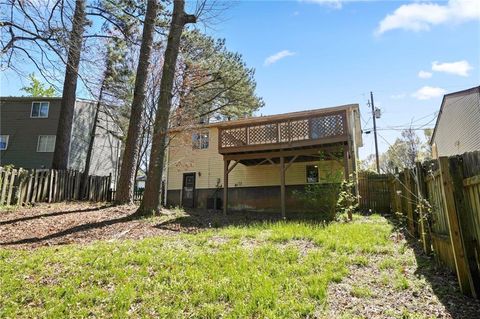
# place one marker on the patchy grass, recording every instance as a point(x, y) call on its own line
point(271, 269)
point(181, 265)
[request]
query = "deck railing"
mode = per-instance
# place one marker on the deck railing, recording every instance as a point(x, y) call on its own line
point(299, 131)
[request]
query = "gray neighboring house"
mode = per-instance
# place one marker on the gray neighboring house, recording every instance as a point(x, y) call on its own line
point(28, 126)
point(457, 130)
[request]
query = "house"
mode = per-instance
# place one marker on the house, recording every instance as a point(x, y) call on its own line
point(258, 163)
point(28, 128)
point(457, 129)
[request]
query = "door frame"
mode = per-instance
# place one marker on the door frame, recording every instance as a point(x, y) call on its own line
point(194, 174)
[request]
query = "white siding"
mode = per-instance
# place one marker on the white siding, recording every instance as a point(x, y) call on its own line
point(458, 129)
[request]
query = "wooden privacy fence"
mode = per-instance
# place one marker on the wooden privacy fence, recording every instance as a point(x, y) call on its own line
point(374, 193)
point(21, 186)
point(440, 201)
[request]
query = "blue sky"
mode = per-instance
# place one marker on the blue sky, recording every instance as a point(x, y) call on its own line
point(334, 53)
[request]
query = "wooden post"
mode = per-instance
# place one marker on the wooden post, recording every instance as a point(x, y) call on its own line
point(466, 222)
point(226, 163)
point(4, 186)
point(461, 264)
point(424, 227)
point(10, 187)
point(345, 162)
point(282, 186)
point(408, 194)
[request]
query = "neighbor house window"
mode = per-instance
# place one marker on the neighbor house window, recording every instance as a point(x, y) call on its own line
point(40, 109)
point(200, 140)
point(3, 142)
point(46, 143)
point(312, 173)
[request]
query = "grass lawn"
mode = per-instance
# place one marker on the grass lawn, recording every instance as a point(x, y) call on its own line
point(280, 269)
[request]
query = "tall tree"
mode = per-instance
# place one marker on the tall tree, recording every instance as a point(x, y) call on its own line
point(151, 202)
point(126, 180)
point(214, 82)
point(37, 88)
point(67, 105)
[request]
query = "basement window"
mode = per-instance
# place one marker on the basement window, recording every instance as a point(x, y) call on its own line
point(200, 140)
point(312, 173)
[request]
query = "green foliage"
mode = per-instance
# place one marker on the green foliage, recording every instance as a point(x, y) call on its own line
point(190, 275)
point(347, 202)
point(215, 82)
point(38, 89)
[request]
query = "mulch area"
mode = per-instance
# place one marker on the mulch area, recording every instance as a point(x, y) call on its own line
point(81, 222)
point(62, 223)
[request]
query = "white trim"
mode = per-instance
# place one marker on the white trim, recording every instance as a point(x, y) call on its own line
point(38, 143)
point(39, 117)
point(6, 143)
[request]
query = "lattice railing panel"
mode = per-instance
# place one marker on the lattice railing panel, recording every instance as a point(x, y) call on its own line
point(318, 127)
point(233, 137)
point(326, 126)
point(263, 134)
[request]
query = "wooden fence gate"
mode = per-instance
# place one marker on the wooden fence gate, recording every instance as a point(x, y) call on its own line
point(374, 193)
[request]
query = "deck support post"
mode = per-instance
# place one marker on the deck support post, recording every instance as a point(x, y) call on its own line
point(345, 162)
point(226, 163)
point(282, 185)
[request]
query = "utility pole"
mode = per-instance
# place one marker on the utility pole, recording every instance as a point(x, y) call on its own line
point(375, 132)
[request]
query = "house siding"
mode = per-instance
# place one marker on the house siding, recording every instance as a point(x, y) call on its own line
point(23, 132)
point(208, 164)
point(458, 128)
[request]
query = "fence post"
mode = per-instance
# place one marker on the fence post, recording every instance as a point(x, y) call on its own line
point(10, 187)
point(466, 222)
point(424, 220)
point(461, 265)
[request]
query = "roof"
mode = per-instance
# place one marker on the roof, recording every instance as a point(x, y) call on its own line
point(268, 118)
point(473, 90)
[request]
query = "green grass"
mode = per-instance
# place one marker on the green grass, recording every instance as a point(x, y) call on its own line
point(254, 271)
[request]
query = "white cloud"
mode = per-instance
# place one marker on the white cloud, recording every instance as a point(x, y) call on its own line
point(336, 4)
point(277, 57)
point(459, 67)
point(422, 16)
point(428, 92)
point(424, 74)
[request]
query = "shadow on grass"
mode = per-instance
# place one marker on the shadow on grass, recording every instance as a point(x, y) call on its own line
point(191, 221)
point(69, 231)
point(23, 219)
point(202, 219)
point(443, 282)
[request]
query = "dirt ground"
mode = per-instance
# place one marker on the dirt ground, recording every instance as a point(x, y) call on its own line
point(62, 223)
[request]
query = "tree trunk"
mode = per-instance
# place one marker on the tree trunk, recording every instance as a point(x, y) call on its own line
point(151, 202)
point(126, 181)
point(91, 142)
point(67, 105)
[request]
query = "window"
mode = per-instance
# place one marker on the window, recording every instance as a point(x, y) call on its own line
point(312, 173)
point(46, 143)
point(3, 142)
point(200, 140)
point(40, 109)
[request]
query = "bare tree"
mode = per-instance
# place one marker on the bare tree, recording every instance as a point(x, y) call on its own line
point(67, 105)
point(151, 202)
point(126, 181)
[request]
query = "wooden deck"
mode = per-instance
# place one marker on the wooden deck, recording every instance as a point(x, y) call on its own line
point(302, 131)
